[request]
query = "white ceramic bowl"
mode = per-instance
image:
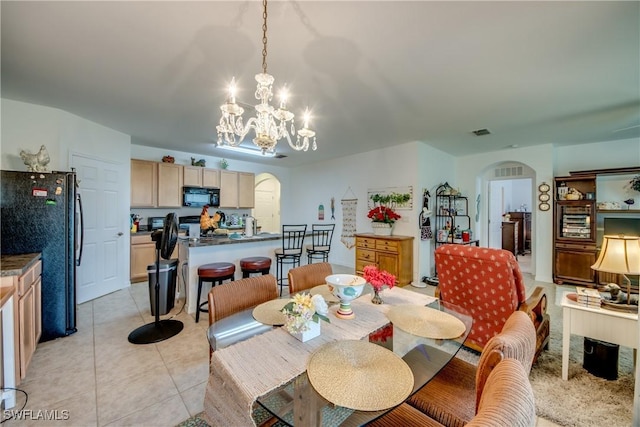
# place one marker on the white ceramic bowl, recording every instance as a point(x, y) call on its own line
point(345, 287)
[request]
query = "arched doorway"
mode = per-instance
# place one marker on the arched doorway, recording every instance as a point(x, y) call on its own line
point(267, 202)
point(510, 189)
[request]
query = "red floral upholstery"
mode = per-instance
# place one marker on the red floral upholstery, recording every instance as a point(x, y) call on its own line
point(488, 283)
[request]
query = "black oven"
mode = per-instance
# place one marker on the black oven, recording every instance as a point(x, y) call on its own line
point(196, 197)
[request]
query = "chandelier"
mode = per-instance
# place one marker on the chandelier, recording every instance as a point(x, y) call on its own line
point(270, 123)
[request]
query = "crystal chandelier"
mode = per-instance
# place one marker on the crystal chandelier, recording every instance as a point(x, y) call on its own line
point(270, 124)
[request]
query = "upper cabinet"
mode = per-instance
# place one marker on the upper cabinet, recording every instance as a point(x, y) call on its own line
point(144, 184)
point(195, 176)
point(169, 185)
point(237, 189)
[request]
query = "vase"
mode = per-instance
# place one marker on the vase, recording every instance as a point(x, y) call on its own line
point(381, 228)
point(312, 332)
point(376, 297)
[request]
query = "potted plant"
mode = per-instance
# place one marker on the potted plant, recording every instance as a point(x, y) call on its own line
point(383, 215)
point(378, 279)
point(634, 184)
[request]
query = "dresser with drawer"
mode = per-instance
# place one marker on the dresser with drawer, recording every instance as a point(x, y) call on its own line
point(391, 253)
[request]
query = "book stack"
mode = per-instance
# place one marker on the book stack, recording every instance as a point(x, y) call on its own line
point(588, 297)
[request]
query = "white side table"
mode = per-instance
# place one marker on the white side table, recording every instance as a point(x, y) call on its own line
point(597, 323)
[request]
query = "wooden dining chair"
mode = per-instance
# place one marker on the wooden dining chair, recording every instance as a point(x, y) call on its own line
point(452, 396)
point(240, 295)
point(308, 276)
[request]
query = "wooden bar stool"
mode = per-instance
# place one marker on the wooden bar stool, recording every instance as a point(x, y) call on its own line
point(255, 264)
point(216, 273)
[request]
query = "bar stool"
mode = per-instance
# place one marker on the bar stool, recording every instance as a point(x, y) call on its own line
point(255, 264)
point(216, 273)
point(290, 252)
point(321, 235)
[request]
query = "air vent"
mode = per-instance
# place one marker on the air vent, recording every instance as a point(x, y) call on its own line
point(508, 172)
point(481, 132)
point(279, 156)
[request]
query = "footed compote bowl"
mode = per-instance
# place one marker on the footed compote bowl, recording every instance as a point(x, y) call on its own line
point(345, 287)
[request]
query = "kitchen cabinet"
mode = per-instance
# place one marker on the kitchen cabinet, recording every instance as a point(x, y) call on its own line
point(144, 184)
point(195, 176)
point(169, 185)
point(391, 253)
point(143, 254)
point(27, 312)
point(237, 189)
point(574, 233)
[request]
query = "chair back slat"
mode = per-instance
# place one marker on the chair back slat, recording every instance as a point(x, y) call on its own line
point(321, 236)
point(293, 238)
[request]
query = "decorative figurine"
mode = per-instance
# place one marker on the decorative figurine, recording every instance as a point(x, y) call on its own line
point(36, 162)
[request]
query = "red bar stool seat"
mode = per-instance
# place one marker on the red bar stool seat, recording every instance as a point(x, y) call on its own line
point(216, 273)
point(255, 264)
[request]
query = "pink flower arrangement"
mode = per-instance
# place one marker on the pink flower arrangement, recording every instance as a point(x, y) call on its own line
point(377, 278)
point(383, 214)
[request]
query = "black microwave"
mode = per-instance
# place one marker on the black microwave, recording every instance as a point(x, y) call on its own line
point(196, 197)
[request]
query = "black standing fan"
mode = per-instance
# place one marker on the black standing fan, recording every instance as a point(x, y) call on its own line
point(160, 330)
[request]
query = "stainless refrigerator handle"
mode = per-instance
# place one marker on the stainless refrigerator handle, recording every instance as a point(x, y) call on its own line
point(79, 260)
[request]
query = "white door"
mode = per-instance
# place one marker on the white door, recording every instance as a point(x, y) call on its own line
point(103, 268)
point(267, 206)
point(496, 209)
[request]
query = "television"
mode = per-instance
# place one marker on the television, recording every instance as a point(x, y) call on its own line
point(626, 226)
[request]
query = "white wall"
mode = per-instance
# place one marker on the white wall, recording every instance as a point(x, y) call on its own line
point(598, 155)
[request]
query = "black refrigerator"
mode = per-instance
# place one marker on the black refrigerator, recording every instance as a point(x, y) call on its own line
point(41, 213)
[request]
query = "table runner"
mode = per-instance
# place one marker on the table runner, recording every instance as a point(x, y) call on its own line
point(241, 373)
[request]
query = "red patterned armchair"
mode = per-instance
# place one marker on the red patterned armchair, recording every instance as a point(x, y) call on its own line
point(488, 283)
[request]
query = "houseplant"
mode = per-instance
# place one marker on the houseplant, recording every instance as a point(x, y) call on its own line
point(634, 184)
point(378, 279)
point(302, 315)
point(383, 215)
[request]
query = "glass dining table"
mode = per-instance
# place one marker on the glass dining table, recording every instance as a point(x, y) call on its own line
point(297, 403)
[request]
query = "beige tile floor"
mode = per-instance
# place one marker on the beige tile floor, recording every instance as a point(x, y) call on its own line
point(103, 380)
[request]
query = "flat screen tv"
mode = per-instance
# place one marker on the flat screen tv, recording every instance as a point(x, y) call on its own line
point(626, 226)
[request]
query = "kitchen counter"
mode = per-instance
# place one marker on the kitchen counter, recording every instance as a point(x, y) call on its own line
point(226, 240)
point(17, 265)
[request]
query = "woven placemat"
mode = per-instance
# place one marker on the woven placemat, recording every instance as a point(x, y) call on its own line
point(325, 292)
point(360, 375)
point(426, 322)
point(269, 312)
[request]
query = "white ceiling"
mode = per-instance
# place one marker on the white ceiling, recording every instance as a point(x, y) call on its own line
point(374, 73)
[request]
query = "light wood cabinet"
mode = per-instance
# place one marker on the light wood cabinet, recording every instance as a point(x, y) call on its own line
point(211, 178)
point(144, 184)
point(27, 316)
point(143, 254)
point(246, 190)
point(169, 185)
point(192, 176)
point(391, 253)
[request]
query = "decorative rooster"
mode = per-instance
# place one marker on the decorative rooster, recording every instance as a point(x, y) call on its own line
point(208, 223)
point(36, 162)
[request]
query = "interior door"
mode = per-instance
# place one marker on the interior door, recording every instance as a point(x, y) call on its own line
point(267, 208)
point(105, 265)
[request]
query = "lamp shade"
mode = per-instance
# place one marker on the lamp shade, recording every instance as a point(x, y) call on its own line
point(619, 254)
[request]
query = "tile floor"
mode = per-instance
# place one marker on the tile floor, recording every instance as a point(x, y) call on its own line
point(103, 380)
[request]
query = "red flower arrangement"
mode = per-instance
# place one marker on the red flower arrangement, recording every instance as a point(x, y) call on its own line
point(378, 278)
point(383, 214)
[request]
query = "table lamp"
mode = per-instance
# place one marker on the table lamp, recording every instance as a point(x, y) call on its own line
point(620, 255)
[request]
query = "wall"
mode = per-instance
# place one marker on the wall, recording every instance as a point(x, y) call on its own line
point(599, 155)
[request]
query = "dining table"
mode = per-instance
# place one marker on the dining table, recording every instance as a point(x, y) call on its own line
point(254, 365)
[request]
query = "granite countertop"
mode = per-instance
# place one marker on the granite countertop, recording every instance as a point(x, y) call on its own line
point(225, 240)
point(17, 265)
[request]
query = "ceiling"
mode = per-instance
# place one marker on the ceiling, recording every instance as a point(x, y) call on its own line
point(374, 73)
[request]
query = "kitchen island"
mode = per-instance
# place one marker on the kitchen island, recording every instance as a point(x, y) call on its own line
point(194, 253)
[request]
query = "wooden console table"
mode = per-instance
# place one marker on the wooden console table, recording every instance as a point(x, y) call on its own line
point(391, 253)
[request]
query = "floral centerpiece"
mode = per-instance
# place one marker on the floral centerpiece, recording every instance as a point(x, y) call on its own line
point(302, 315)
point(378, 280)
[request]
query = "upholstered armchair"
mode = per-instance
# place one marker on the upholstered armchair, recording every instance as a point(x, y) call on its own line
point(489, 284)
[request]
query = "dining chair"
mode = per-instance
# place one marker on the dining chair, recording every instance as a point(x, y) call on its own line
point(453, 395)
point(308, 276)
point(321, 236)
point(239, 295)
point(290, 252)
point(508, 400)
point(488, 283)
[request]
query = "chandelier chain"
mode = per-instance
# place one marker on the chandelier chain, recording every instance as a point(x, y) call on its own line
point(264, 36)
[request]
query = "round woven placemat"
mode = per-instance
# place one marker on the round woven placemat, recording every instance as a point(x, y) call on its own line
point(325, 292)
point(426, 322)
point(269, 312)
point(360, 375)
